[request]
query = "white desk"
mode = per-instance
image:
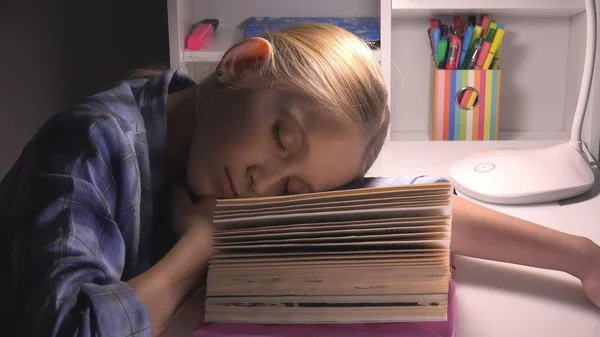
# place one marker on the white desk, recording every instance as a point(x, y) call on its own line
point(495, 299)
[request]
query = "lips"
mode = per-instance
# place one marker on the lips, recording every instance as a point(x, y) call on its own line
point(229, 187)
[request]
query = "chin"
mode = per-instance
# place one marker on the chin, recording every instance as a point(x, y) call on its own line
point(200, 186)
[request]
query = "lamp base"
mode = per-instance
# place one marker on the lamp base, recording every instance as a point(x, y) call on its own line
point(523, 176)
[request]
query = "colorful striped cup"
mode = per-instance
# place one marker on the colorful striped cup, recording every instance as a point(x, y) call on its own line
point(450, 121)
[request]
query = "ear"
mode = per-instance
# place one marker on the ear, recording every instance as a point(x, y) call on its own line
point(243, 55)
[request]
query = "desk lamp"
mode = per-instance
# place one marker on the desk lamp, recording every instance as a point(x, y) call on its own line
point(524, 176)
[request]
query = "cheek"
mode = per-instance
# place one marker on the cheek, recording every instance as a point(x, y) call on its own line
point(236, 129)
point(236, 141)
point(247, 125)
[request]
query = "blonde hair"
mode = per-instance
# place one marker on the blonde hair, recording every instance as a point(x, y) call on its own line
point(337, 69)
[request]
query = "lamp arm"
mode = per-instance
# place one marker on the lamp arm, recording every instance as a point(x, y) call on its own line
point(588, 73)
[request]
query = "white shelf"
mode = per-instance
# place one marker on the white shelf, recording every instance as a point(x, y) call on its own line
point(539, 91)
point(545, 8)
point(504, 136)
point(223, 39)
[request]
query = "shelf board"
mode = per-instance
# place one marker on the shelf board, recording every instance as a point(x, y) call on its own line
point(223, 39)
point(545, 8)
point(504, 136)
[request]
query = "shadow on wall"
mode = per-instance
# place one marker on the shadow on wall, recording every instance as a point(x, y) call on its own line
point(54, 56)
point(105, 40)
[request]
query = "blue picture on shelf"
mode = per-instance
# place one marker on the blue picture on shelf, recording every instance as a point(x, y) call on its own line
point(366, 28)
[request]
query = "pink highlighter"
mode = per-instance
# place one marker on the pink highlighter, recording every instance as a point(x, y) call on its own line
point(200, 33)
point(484, 52)
point(485, 24)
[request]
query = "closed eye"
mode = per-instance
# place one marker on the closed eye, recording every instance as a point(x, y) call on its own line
point(277, 136)
point(286, 186)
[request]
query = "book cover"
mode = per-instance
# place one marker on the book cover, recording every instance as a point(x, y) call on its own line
point(367, 28)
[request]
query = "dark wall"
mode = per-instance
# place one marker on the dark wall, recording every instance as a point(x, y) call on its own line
point(53, 56)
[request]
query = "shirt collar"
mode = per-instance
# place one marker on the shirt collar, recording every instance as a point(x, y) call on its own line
point(151, 99)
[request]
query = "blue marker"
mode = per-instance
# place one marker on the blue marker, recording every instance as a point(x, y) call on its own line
point(500, 25)
point(436, 40)
point(465, 45)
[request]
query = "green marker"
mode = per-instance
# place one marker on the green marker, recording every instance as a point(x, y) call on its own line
point(490, 35)
point(441, 60)
point(473, 54)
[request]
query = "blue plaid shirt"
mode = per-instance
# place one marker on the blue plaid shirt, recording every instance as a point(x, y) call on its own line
point(79, 215)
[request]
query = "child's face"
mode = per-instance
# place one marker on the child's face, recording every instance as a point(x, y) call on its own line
point(250, 144)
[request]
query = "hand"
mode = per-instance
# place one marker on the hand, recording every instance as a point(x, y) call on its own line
point(188, 216)
point(591, 276)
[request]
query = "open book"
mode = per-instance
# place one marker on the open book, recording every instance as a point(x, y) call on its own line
point(374, 252)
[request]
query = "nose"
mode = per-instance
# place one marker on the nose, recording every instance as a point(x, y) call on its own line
point(268, 179)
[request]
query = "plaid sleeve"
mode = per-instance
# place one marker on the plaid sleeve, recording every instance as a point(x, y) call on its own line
point(69, 252)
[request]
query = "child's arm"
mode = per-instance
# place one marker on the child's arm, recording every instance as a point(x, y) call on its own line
point(483, 233)
point(165, 287)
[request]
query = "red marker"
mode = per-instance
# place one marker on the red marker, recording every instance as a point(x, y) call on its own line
point(454, 53)
point(457, 22)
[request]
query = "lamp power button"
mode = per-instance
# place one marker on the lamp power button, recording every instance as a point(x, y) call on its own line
point(485, 167)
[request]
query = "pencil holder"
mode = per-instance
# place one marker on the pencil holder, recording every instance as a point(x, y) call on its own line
point(465, 104)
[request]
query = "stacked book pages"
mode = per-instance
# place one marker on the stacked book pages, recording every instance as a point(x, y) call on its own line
point(375, 254)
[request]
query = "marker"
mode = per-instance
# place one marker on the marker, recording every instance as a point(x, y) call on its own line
point(454, 53)
point(493, 25)
point(457, 21)
point(476, 34)
point(473, 54)
point(446, 31)
point(494, 48)
point(434, 23)
point(472, 20)
point(485, 22)
point(465, 45)
point(436, 40)
point(459, 32)
point(201, 32)
point(458, 28)
point(490, 35)
point(485, 49)
point(472, 99)
point(498, 41)
point(430, 36)
point(441, 59)
point(496, 61)
point(464, 100)
point(501, 25)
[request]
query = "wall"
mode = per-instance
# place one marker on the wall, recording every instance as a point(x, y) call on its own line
point(53, 56)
